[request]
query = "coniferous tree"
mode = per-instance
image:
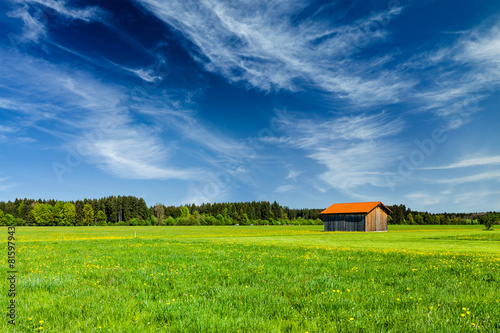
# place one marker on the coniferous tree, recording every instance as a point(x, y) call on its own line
point(79, 212)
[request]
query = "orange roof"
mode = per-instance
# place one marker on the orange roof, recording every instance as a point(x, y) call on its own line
point(351, 208)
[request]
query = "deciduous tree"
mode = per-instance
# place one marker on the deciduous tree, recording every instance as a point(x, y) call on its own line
point(88, 214)
point(101, 218)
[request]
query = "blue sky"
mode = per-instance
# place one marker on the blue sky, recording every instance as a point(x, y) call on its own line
point(304, 102)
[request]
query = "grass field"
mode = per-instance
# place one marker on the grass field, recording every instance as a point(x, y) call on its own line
point(254, 279)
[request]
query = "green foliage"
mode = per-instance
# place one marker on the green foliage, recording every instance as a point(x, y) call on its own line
point(2, 218)
point(9, 219)
point(42, 214)
point(184, 212)
point(120, 224)
point(134, 222)
point(69, 213)
point(125, 208)
point(58, 213)
point(169, 221)
point(101, 218)
point(409, 219)
point(88, 215)
point(489, 220)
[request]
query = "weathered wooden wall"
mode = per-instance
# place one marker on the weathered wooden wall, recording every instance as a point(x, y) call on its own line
point(376, 220)
point(344, 222)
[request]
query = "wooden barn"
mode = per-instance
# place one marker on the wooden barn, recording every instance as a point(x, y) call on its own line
point(359, 216)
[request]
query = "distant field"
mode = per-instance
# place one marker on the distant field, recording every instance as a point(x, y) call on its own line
point(255, 279)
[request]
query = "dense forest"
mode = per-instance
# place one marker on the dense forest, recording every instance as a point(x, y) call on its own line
point(129, 210)
point(403, 215)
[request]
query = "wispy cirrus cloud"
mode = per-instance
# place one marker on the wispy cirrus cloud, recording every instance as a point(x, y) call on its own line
point(285, 188)
point(468, 162)
point(477, 177)
point(344, 144)
point(4, 185)
point(270, 51)
point(70, 104)
point(463, 75)
point(258, 43)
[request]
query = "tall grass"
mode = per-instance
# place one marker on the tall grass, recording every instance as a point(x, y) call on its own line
point(260, 279)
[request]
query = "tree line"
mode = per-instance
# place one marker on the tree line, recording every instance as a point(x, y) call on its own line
point(403, 215)
point(130, 210)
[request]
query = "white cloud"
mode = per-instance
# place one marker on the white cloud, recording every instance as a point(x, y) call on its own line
point(487, 175)
point(416, 195)
point(294, 174)
point(5, 187)
point(7, 129)
point(430, 202)
point(258, 43)
point(134, 158)
point(90, 116)
point(462, 75)
point(469, 162)
point(285, 188)
point(422, 198)
point(35, 13)
point(147, 74)
point(355, 150)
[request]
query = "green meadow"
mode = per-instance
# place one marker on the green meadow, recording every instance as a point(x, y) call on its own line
point(254, 279)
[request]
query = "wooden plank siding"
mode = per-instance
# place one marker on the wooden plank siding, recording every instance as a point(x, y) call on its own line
point(358, 216)
point(376, 220)
point(344, 222)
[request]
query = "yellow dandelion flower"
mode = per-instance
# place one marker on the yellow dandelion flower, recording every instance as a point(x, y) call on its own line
point(41, 321)
point(464, 309)
point(463, 315)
